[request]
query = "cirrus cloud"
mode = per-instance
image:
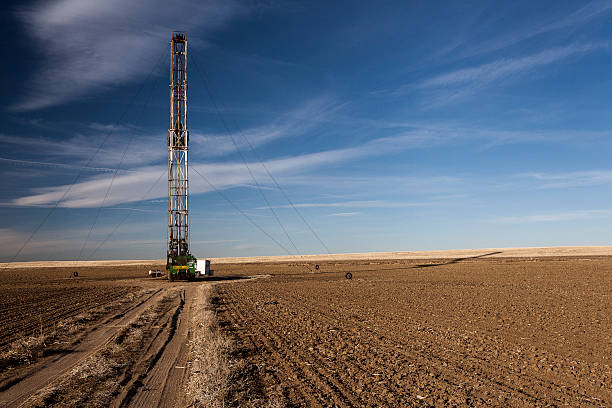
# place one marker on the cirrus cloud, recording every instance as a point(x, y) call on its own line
point(91, 45)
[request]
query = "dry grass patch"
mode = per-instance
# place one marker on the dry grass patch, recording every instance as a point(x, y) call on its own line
point(210, 370)
point(216, 380)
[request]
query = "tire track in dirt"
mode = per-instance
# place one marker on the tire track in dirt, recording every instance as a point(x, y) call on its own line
point(166, 364)
point(158, 383)
point(155, 378)
point(52, 369)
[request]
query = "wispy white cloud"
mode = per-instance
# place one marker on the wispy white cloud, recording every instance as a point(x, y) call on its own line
point(449, 87)
point(150, 147)
point(297, 170)
point(356, 204)
point(245, 246)
point(129, 187)
point(52, 165)
point(467, 81)
point(569, 180)
point(355, 186)
point(81, 147)
point(65, 243)
point(134, 185)
point(567, 24)
point(344, 214)
point(144, 210)
point(92, 45)
point(295, 122)
point(215, 241)
point(506, 66)
point(555, 217)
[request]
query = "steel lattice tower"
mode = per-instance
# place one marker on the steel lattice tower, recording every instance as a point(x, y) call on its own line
point(178, 146)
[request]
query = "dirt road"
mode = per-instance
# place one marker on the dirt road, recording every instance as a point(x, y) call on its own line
point(158, 380)
point(141, 350)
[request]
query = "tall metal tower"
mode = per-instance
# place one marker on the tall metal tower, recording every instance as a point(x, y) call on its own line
point(178, 146)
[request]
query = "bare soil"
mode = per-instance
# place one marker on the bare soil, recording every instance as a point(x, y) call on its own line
point(131, 354)
point(34, 300)
point(465, 332)
point(471, 330)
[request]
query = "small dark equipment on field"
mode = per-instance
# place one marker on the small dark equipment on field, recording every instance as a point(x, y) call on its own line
point(155, 273)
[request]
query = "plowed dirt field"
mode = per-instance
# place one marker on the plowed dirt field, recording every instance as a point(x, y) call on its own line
point(35, 300)
point(498, 332)
point(480, 330)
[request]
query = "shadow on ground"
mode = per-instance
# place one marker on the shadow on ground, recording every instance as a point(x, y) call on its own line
point(456, 260)
point(223, 278)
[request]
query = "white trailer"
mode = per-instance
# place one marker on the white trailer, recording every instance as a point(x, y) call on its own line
point(203, 268)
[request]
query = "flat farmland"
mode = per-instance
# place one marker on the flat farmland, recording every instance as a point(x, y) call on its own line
point(471, 329)
point(34, 300)
point(104, 337)
point(467, 332)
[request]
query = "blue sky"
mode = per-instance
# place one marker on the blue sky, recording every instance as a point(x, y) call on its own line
point(392, 126)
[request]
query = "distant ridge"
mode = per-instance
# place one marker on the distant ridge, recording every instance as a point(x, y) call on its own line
point(527, 252)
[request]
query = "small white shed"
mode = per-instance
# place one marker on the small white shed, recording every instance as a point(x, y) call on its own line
point(203, 267)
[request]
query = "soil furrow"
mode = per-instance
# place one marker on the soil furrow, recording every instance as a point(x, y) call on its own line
point(304, 385)
point(20, 393)
point(477, 333)
point(437, 361)
point(495, 373)
point(160, 337)
point(327, 371)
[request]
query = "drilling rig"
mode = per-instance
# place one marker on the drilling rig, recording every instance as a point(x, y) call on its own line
point(180, 264)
